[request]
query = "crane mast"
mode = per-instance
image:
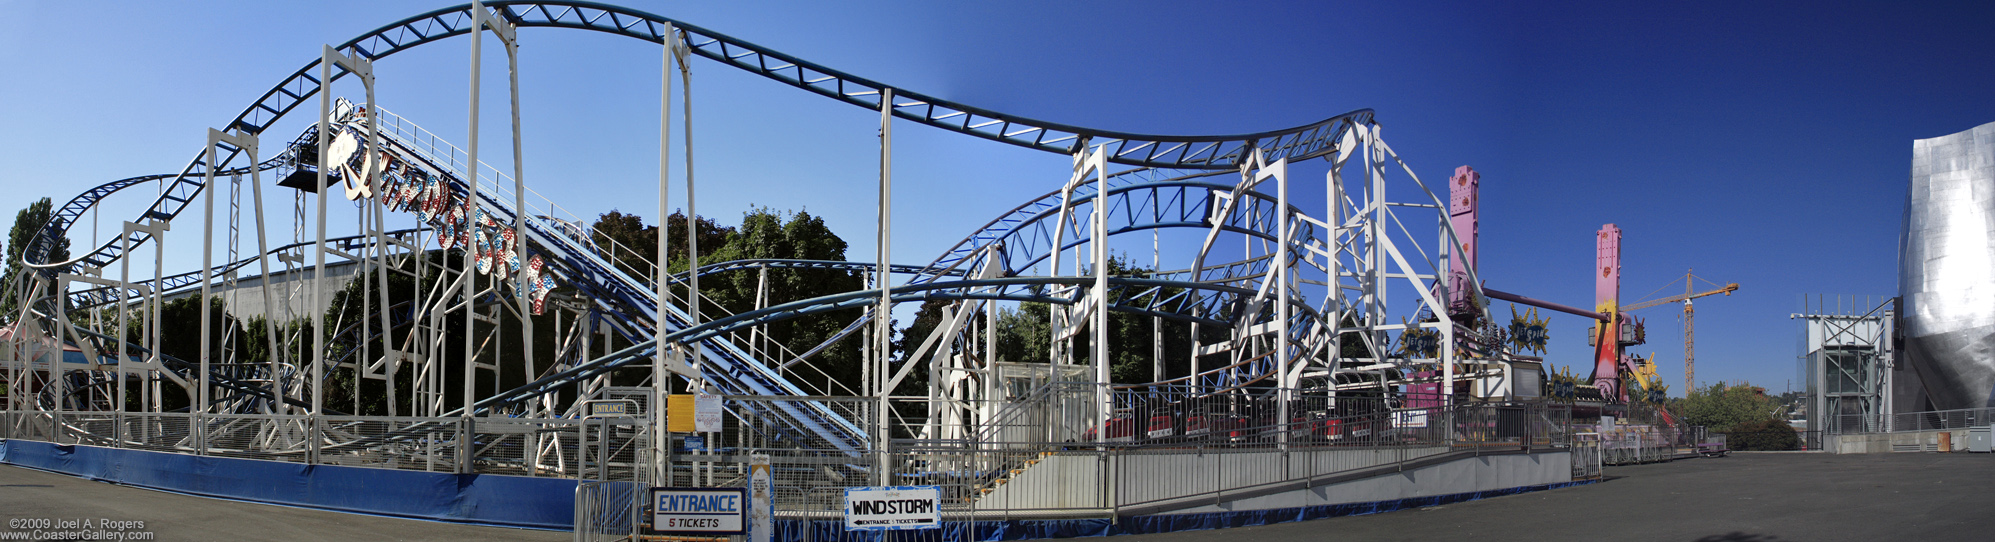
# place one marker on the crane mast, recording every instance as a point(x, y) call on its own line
point(1689, 323)
point(1689, 344)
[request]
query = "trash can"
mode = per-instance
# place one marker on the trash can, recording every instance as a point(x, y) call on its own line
point(1978, 438)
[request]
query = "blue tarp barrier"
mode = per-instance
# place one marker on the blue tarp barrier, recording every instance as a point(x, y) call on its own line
point(488, 499)
point(548, 503)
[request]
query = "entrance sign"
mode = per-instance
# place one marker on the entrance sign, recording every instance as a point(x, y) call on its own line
point(612, 409)
point(894, 508)
point(699, 511)
point(706, 414)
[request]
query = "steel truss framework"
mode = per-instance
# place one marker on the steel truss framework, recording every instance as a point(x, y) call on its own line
point(1309, 278)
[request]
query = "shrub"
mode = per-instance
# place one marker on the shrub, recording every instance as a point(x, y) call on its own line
point(1763, 435)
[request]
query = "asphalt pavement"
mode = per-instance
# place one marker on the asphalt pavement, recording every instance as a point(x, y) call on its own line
point(1746, 497)
point(59, 506)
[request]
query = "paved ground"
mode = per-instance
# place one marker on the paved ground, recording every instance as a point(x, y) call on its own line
point(1743, 498)
point(28, 496)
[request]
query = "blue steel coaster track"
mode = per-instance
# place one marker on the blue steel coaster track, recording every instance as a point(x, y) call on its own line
point(1221, 152)
point(1143, 150)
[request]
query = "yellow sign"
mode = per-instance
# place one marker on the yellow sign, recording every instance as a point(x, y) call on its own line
point(679, 413)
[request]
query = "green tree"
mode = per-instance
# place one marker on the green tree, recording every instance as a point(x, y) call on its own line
point(633, 246)
point(626, 242)
point(347, 322)
point(1025, 334)
point(27, 223)
point(763, 234)
point(768, 234)
point(1721, 407)
point(179, 338)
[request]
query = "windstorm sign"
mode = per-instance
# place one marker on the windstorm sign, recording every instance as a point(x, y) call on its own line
point(893, 508)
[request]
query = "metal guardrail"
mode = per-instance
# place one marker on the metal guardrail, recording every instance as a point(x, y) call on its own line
point(1942, 419)
point(1931, 420)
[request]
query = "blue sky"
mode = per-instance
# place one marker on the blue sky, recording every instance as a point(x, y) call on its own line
point(1759, 144)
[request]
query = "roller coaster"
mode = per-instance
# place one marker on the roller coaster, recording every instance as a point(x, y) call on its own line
point(1368, 293)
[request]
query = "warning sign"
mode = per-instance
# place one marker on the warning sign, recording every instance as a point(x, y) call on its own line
point(893, 508)
point(706, 413)
point(679, 413)
point(693, 413)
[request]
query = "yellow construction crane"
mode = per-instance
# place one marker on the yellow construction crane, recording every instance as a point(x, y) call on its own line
point(1689, 326)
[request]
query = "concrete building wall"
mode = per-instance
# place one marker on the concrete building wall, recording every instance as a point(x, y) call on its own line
point(291, 292)
point(1087, 481)
point(1459, 476)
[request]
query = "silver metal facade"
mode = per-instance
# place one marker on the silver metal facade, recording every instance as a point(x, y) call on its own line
point(1947, 267)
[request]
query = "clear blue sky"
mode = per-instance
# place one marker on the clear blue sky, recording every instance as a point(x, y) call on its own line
point(1759, 144)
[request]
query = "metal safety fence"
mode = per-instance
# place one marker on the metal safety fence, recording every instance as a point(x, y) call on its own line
point(606, 511)
point(1636, 444)
point(1048, 454)
point(1587, 461)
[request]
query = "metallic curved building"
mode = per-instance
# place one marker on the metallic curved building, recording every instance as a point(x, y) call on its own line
point(1946, 271)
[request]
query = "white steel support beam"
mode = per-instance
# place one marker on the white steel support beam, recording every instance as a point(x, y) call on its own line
point(478, 14)
point(1099, 242)
point(156, 229)
point(1087, 164)
point(1284, 267)
point(695, 357)
point(482, 19)
point(883, 314)
point(1156, 323)
point(1056, 315)
point(270, 338)
point(661, 379)
point(511, 38)
point(247, 143)
point(156, 304)
point(363, 68)
point(391, 355)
